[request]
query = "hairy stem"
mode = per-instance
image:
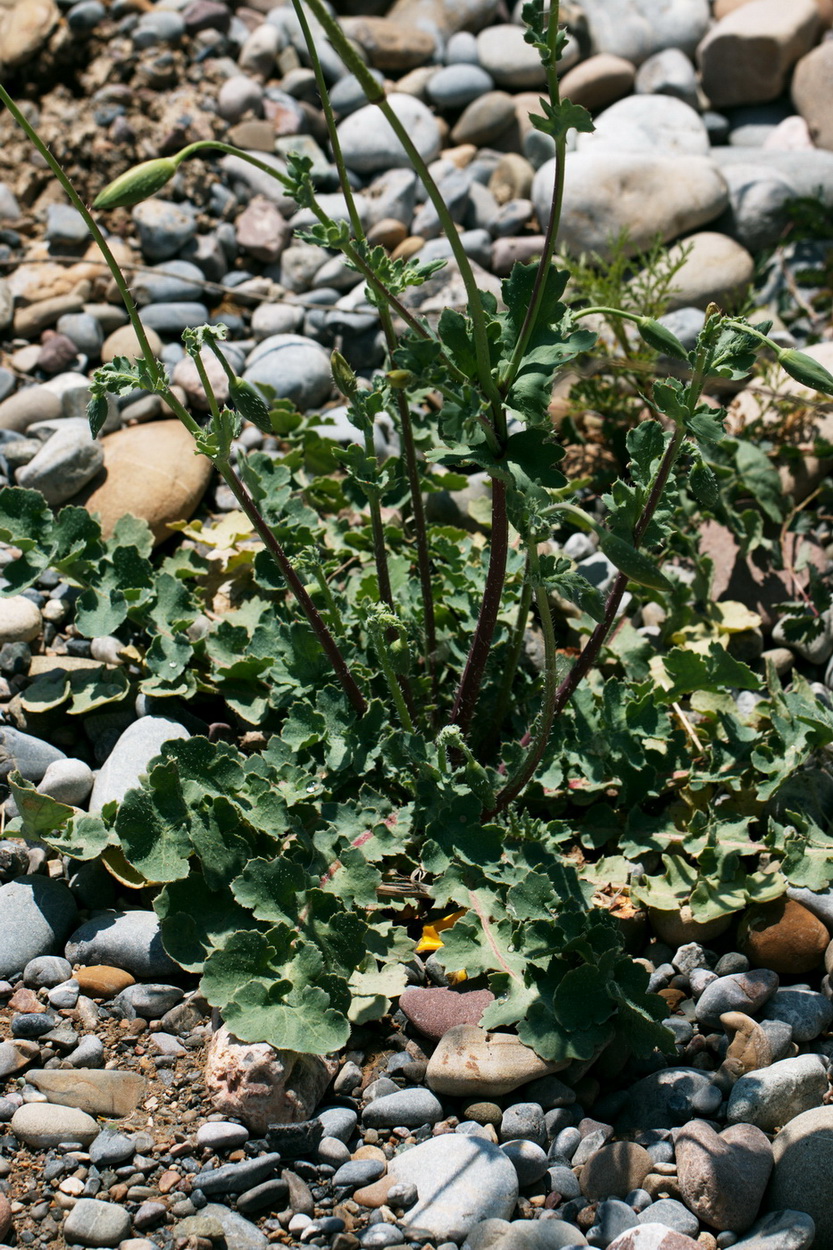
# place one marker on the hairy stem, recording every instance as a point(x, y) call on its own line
point(516, 644)
point(376, 95)
point(101, 242)
point(524, 774)
point(468, 690)
point(556, 202)
point(417, 509)
point(328, 643)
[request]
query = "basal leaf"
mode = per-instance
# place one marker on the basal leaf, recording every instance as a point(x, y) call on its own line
point(152, 825)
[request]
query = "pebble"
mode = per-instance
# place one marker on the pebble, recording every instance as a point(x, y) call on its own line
point(614, 1170)
point(772, 1096)
point(486, 1185)
point(28, 405)
point(163, 228)
point(95, 1223)
point(722, 1177)
point(407, 1107)
point(44, 1125)
point(369, 143)
point(38, 914)
point(67, 461)
point(129, 759)
point(222, 1135)
point(512, 62)
point(635, 124)
point(741, 991)
point(469, 1060)
point(46, 971)
point(632, 190)
point(434, 1010)
point(669, 72)
point(806, 1012)
point(528, 1159)
point(746, 56)
point(130, 940)
point(98, 1092)
point(783, 936)
point(111, 1148)
point(788, 1229)
point(296, 366)
point(148, 1001)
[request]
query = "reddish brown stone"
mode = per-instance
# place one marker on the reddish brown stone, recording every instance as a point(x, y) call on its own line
point(723, 1176)
point(25, 1001)
point(614, 1170)
point(102, 981)
point(435, 1011)
point(783, 936)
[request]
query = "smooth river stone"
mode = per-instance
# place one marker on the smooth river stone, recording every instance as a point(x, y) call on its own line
point(607, 192)
point(471, 1063)
point(151, 472)
point(722, 1176)
point(97, 1091)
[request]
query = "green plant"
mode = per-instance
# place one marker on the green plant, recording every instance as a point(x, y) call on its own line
point(395, 749)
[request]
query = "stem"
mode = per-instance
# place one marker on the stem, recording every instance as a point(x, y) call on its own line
point(380, 552)
point(527, 769)
point(295, 584)
point(420, 528)
point(224, 468)
point(332, 606)
point(515, 647)
point(378, 634)
point(465, 699)
point(347, 247)
point(556, 202)
point(113, 265)
point(376, 96)
point(206, 385)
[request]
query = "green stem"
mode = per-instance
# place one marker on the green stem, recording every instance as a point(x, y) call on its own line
point(332, 606)
point(468, 690)
point(556, 203)
point(376, 95)
point(113, 265)
point(524, 774)
point(206, 384)
point(504, 697)
point(295, 584)
point(377, 632)
point(229, 372)
point(417, 509)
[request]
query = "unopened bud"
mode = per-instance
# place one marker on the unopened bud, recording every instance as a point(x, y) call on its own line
point(136, 184)
point(806, 370)
point(658, 336)
point(250, 404)
point(343, 375)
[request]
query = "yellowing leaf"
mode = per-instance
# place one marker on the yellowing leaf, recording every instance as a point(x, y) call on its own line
point(733, 617)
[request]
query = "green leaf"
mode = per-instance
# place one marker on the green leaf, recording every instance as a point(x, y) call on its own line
point(195, 919)
point(270, 890)
point(152, 825)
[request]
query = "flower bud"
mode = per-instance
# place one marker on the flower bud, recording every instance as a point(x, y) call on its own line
point(806, 370)
point(250, 404)
point(343, 375)
point(136, 184)
point(399, 379)
point(658, 336)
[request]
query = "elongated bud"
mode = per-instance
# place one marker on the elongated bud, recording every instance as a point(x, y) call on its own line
point(136, 184)
point(343, 375)
point(658, 336)
point(806, 370)
point(250, 404)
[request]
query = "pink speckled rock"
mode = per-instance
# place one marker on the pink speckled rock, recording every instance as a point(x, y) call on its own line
point(260, 1085)
point(435, 1011)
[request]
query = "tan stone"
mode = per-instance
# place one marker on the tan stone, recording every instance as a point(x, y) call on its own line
point(43, 1126)
point(20, 620)
point(812, 93)
point(123, 342)
point(614, 1170)
point(512, 178)
point(390, 45)
point(716, 269)
point(260, 1085)
point(150, 471)
point(102, 981)
point(387, 233)
point(471, 1062)
point(447, 18)
point(750, 1047)
point(598, 81)
point(374, 1195)
point(746, 56)
point(98, 1091)
point(25, 28)
point(29, 321)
